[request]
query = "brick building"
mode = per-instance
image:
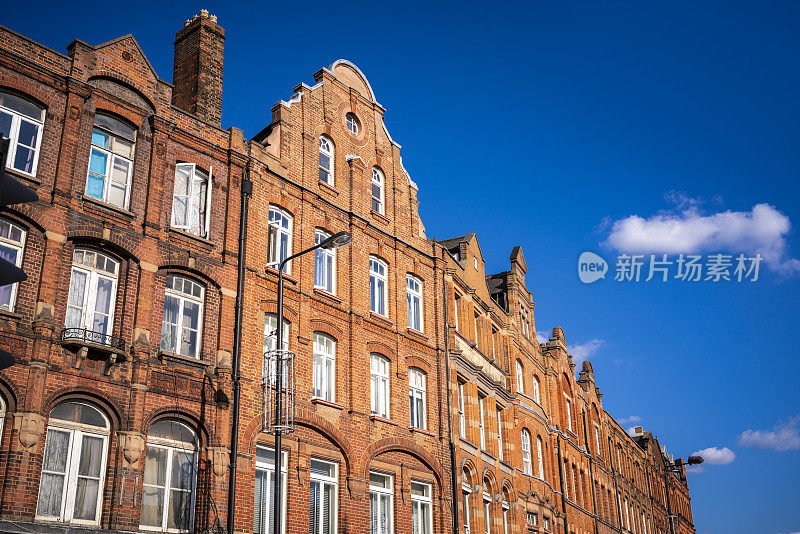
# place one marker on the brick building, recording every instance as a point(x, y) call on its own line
point(107, 425)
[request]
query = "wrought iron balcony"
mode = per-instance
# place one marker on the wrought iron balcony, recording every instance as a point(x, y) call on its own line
point(84, 336)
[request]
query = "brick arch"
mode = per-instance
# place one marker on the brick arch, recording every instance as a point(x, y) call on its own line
point(507, 485)
point(419, 363)
point(289, 314)
point(321, 325)
point(30, 218)
point(10, 393)
point(85, 235)
point(487, 474)
point(29, 90)
point(381, 348)
point(471, 470)
point(307, 418)
point(125, 81)
point(191, 417)
point(398, 444)
point(90, 394)
point(181, 265)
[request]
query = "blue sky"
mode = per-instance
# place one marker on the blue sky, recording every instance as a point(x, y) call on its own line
point(549, 125)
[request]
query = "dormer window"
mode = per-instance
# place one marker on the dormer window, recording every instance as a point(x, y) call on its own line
point(353, 125)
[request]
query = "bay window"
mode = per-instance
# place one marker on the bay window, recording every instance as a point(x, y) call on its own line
point(22, 122)
point(12, 243)
point(421, 515)
point(111, 161)
point(417, 398)
point(92, 295)
point(264, 490)
point(183, 317)
point(324, 496)
point(74, 464)
point(379, 385)
point(191, 199)
point(380, 504)
point(324, 378)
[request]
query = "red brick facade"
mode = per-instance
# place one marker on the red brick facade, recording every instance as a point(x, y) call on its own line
point(138, 374)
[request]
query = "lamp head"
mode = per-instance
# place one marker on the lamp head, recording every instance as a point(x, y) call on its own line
point(337, 240)
point(692, 460)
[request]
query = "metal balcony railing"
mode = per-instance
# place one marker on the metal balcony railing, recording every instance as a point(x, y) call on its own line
point(84, 335)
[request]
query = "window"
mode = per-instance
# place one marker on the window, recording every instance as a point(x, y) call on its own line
point(414, 301)
point(523, 313)
point(169, 477)
point(417, 398)
point(421, 516)
point(462, 423)
point(271, 341)
point(476, 263)
point(21, 121)
point(499, 432)
point(536, 385)
point(324, 495)
point(487, 509)
point(324, 264)
point(111, 161)
point(377, 286)
point(568, 414)
point(377, 190)
point(466, 491)
point(597, 440)
point(326, 160)
point(74, 464)
point(352, 123)
point(520, 379)
point(627, 516)
point(380, 504)
point(12, 243)
point(92, 292)
point(183, 317)
point(191, 199)
point(264, 490)
point(532, 519)
point(540, 456)
point(456, 306)
point(527, 468)
point(280, 238)
point(482, 419)
point(379, 385)
point(324, 367)
point(2, 416)
point(546, 523)
point(506, 506)
point(494, 341)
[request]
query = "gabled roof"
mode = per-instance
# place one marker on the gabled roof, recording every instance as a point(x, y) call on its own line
point(128, 37)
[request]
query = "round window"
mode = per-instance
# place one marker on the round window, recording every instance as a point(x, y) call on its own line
point(352, 123)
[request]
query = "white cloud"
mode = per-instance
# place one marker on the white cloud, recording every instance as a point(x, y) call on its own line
point(716, 456)
point(694, 469)
point(584, 351)
point(783, 437)
point(631, 431)
point(542, 338)
point(630, 419)
point(685, 229)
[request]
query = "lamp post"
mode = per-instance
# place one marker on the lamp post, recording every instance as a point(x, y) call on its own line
point(675, 467)
point(335, 241)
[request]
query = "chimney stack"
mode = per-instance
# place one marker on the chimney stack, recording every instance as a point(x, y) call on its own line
point(197, 71)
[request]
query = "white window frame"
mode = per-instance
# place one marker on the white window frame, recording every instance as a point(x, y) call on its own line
point(418, 502)
point(531, 519)
point(520, 378)
point(505, 507)
point(527, 468)
point(93, 275)
point(281, 223)
point(487, 510)
point(195, 175)
point(183, 297)
point(351, 121)
point(456, 305)
point(536, 393)
point(324, 373)
point(326, 148)
point(111, 157)
point(7, 226)
point(598, 450)
point(174, 447)
point(568, 409)
point(466, 491)
point(378, 278)
point(379, 181)
point(482, 419)
point(462, 422)
point(76, 433)
point(540, 456)
point(417, 394)
point(16, 119)
point(499, 432)
point(3, 408)
point(382, 493)
point(324, 264)
point(414, 300)
point(327, 481)
point(266, 463)
point(380, 385)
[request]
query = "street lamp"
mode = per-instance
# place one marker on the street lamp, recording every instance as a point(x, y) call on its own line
point(279, 426)
point(675, 467)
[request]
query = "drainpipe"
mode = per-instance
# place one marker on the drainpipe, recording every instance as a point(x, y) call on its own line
point(247, 189)
point(591, 471)
point(453, 475)
point(561, 479)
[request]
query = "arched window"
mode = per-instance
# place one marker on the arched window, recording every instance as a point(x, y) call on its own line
point(466, 492)
point(74, 464)
point(379, 385)
point(111, 161)
point(520, 379)
point(2, 416)
point(417, 382)
point(191, 199)
point(377, 190)
point(540, 456)
point(324, 367)
point(182, 328)
point(324, 264)
point(21, 121)
point(414, 301)
point(536, 385)
point(352, 123)
point(527, 468)
point(568, 412)
point(378, 291)
point(170, 471)
point(506, 504)
point(12, 243)
point(487, 507)
point(326, 160)
point(92, 296)
point(280, 238)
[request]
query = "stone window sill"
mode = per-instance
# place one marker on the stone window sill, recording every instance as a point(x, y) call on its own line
point(381, 318)
point(328, 188)
point(323, 402)
point(30, 178)
point(171, 357)
point(420, 431)
point(105, 205)
point(379, 217)
point(416, 333)
point(380, 419)
point(287, 277)
point(186, 235)
point(326, 295)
